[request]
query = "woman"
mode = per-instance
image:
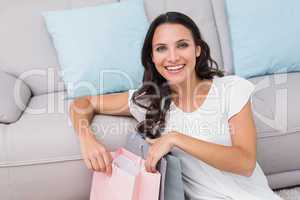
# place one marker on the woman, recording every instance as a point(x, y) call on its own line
point(185, 106)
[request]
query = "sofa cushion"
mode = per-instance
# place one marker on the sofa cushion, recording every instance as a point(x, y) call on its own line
point(5, 187)
point(42, 142)
point(265, 37)
point(58, 180)
point(4, 172)
point(277, 120)
point(99, 50)
point(14, 95)
point(3, 146)
point(279, 153)
point(223, 34)
point(45, 124)
point(153, 8)
point(23, 35)
point(26, 48)
point(275, 102)
point(284, 179)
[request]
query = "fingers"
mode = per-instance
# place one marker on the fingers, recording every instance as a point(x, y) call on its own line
point(88, 163)
point(94, 163)
point(153, 164)
point(107, 161)
point(101, 164)
point(96, 157)
point(150, 163)
point(147, 164)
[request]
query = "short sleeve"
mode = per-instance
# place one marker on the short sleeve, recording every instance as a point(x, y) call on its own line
point(136, 111)
point(239, 93)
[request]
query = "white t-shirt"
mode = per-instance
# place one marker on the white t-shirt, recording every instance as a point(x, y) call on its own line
point(209, 122)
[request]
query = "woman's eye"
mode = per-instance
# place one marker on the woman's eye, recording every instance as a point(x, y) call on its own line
point(161, 48)
point(182, 45)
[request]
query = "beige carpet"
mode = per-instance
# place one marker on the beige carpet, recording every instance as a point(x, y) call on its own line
point(289, 194)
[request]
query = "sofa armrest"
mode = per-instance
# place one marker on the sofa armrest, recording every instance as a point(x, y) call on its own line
point(14, 97)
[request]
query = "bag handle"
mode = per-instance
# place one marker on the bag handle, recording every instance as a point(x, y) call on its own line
point(129, 155)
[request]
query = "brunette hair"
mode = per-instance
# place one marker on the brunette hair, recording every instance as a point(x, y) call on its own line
point(155, 89)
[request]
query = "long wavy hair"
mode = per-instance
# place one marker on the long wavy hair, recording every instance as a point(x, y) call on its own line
point(155, 89)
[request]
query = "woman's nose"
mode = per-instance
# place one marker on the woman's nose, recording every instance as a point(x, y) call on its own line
point(173, 56)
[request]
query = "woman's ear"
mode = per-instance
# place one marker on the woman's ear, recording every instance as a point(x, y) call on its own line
point(198, 50)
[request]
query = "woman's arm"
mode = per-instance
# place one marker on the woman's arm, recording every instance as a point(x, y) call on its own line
point(240, 158)
point(81, 114)
point(82, 110)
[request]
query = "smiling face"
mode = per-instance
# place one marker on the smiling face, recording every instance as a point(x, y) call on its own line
point(174, 52)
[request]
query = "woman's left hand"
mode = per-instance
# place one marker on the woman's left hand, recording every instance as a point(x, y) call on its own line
point(158, 148)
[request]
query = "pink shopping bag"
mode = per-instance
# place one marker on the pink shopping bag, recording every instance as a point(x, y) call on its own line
point(129, 180)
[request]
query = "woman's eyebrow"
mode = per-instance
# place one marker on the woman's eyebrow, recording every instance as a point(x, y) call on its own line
point(181, 40)
point(158, 44)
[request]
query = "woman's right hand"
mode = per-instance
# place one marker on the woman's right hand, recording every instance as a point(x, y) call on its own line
point(95, 154)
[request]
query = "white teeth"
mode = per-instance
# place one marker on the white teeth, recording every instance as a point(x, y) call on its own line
point(174, 68)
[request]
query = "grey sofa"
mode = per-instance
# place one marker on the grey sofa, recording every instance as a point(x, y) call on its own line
point(39, 151)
